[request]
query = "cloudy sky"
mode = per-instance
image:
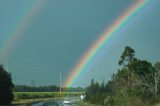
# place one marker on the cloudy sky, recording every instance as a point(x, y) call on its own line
point(58, 32)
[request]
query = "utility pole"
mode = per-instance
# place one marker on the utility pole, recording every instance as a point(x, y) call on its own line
point(60, 90)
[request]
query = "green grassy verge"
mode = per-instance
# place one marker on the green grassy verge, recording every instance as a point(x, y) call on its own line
point(28, 102)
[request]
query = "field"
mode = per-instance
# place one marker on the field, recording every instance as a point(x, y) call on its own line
point(37, 95)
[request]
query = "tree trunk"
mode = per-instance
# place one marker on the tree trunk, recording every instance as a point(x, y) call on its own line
point(156, 82)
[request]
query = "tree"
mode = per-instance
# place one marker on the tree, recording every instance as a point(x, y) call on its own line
point(135, 74)
point(6, 87)
point(102, 87)
point(143, 73)
point(157, 67)
point(156, 76)
point(141, 67)
point(135, 79)
point(125, 75)
point(127, 56)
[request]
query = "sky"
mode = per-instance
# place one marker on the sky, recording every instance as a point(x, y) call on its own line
point(59, 32)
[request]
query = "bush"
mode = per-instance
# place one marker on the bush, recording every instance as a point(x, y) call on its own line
point(129, 101)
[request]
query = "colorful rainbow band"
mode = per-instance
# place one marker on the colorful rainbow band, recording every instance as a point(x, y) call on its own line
point(102, 41)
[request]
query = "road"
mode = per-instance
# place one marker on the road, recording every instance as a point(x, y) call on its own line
point(60, 102)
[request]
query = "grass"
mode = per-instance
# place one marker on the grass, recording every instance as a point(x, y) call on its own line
point(27, 102)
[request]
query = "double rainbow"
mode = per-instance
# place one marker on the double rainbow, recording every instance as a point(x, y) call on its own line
point(14, 35)
point(89, 55)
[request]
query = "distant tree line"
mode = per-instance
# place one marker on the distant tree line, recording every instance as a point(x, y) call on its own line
point(51, 88)
point(137, 82)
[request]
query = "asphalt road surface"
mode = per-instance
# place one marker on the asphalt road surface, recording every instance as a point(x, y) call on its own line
point(59, 102)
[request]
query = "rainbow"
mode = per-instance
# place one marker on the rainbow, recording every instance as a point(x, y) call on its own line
point(89, 55)
point(15, 33)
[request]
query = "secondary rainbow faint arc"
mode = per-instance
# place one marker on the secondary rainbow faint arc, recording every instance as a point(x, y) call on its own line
point(102, 40)
point(15, 33)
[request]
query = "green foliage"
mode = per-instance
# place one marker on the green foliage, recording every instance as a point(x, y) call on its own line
point(137, 82)
point(6, 87)
point(127, 56)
